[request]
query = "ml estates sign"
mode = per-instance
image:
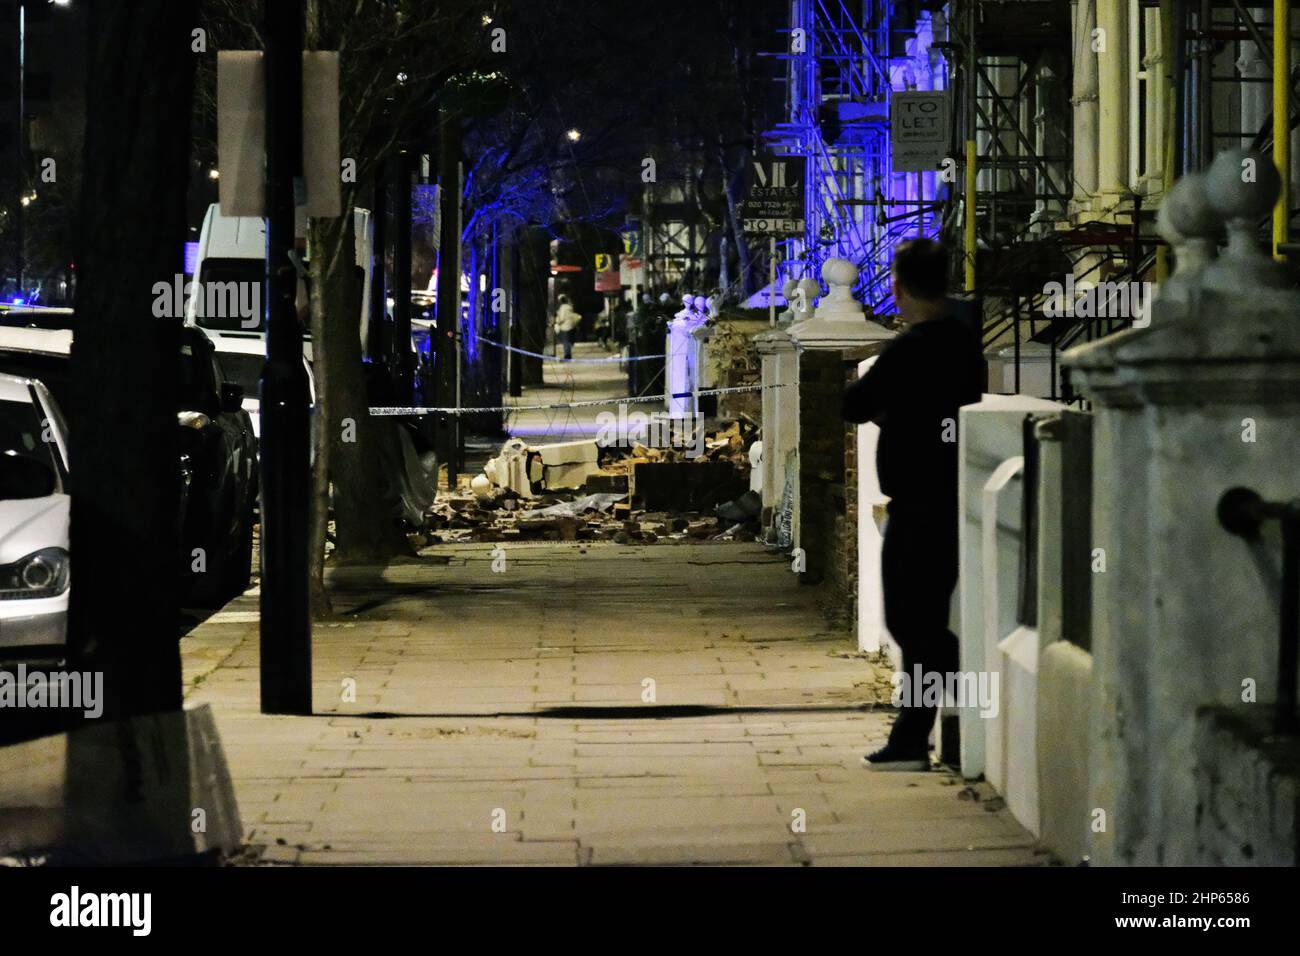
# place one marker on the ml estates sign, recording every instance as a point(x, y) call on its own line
point(773, 203)
point(918, 130)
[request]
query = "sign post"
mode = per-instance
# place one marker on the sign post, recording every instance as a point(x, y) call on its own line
point(286, 446)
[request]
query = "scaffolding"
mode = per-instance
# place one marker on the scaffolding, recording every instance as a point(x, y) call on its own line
point(1063, 152)
point(838, 68)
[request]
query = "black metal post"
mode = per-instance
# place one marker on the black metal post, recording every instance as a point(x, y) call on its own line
point(377, 345)
point(514, 337)
point(403, 362)
point(449, 149)
point(1015, 320)
point(285, 446)
point(1204, 82)
point(20, 163)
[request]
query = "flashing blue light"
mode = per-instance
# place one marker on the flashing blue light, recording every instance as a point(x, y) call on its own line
point(18, 301)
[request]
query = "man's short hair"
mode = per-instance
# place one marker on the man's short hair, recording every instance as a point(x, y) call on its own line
point(920, 268)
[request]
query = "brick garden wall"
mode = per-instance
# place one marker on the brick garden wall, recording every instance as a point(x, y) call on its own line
point(827, 475)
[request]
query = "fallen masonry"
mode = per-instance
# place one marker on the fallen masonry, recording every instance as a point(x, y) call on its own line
point(580, 491)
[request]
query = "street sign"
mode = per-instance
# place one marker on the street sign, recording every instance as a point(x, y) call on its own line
point(320, 133)
point(631, 236)
point(631, 270)
point(774, 227)
point(607, 274)
point(241, 133)
point(774, 195)
point(918, 130)
point(608, 280)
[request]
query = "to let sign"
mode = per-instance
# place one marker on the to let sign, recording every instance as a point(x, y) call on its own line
point(918, 130)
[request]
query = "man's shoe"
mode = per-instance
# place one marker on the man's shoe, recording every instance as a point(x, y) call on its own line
point(889, 758)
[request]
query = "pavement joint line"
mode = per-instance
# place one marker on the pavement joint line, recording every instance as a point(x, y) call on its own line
point(632, 712)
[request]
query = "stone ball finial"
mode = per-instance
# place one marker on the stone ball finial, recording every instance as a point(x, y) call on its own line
point(1165, 228)
point(1186, 208)
point(839, 272)
point(1242, 184)
point(1242, 187)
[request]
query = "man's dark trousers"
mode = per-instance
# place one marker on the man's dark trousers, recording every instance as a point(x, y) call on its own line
point(918, 574)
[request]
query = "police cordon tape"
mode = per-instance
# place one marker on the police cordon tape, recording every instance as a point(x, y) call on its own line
point(384, 411)
point(555, 358)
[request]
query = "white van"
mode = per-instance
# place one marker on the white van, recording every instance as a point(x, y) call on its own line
point(233, 249)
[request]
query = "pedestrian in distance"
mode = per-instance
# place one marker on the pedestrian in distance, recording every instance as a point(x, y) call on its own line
point(913, 392)
point(567, 319)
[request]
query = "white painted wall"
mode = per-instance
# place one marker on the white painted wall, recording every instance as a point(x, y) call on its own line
point(872, 633)
point(990, 434)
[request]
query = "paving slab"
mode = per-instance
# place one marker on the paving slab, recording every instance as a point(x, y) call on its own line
point(503, 719)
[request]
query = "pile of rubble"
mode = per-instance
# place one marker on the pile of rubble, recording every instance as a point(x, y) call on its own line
point(580, 491)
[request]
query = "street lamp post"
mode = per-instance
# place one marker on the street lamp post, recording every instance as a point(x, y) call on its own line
point(20, 170)
point(285, 647)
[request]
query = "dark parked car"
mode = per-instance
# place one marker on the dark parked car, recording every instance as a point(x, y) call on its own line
point(218, 454)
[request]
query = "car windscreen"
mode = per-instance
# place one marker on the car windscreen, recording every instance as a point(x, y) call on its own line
point(52, 370)
point(227, 289)
point(198, 388)
point(244, 369)
point(22, 433)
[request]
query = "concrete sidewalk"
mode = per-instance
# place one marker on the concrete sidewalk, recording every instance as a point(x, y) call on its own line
point(590, 704)
point(587, 380)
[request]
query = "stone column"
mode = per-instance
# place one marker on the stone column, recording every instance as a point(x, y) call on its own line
point(780, 367)
point(1084, 102)
point(830, 343)
point(1112, 96)
point(1205, 398)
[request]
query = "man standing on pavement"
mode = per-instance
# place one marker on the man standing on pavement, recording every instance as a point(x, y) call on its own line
point(567, 320)
point(913, 392)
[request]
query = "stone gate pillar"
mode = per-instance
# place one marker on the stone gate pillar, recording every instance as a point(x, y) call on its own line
point(1207, 397)
point(830, 343)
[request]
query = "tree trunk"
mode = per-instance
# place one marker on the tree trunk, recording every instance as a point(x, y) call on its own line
point(324, 280)
point(125, 477)
point(534, 271)
point(365, 520)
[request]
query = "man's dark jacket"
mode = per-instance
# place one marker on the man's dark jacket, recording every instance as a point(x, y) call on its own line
point(913, 392)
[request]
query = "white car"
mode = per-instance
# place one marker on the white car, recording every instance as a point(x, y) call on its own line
point(35, 571)
point(242, 357)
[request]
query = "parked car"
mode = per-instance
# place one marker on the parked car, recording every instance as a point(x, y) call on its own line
point(217, 460)
point(242, 358)
point(35, 570)
point(35, 316)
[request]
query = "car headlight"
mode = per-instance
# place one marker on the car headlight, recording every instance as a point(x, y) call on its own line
point(41, 574)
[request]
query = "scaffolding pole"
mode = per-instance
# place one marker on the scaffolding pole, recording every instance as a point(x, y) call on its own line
point(968, 220)
point(1282, 121)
